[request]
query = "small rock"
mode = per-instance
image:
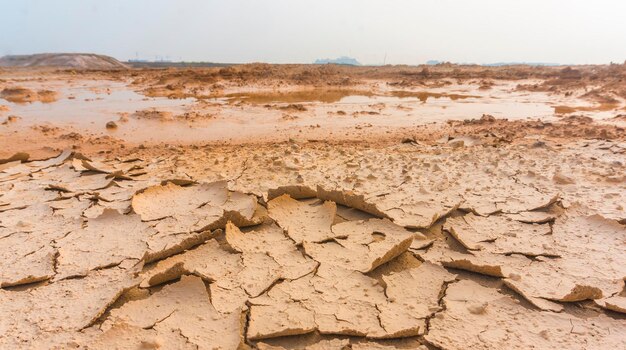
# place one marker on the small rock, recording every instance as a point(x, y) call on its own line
point(562, 179)
point(478, 309)
point(539, 144)
point(457, 143)
point(515, 277)
point(444, 139)
point(111, 125)
point(488, 118)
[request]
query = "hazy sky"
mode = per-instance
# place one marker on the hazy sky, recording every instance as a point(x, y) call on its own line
point(282, 31)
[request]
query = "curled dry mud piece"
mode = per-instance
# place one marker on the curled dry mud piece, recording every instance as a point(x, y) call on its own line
point(361, 245)
point(413, 296)
point(262, 257)
point(347, 306)
point(134, 337)
point(417, 210)
point(105, 241)
point(406, 207)
point(41, 317)
point(182, 307)
point(592, 263)
point(343, 302)
point(507, 196)
point(185, 216)
point(27, 243)
point(303, 221)
point(270, 240)
point(588, 261)
point(323, 344)
point(20, 156)
point(477, 317)
point(615, 303)
point(501, 234)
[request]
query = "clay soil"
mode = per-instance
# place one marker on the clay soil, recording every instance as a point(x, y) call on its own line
point(313, 207)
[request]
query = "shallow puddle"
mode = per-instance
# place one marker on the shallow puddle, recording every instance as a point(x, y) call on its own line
point(337, 96)
point(301, 96)
point(81, 106)
point(573, 109)
point(423, 96)
point(89, 105)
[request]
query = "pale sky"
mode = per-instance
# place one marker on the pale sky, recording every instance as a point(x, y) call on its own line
point(300, 31)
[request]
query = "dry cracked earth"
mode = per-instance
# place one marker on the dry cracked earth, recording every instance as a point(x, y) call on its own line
point(302, 245)
point(334, 223)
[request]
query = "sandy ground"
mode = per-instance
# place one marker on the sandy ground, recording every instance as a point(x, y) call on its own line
point(313, 207)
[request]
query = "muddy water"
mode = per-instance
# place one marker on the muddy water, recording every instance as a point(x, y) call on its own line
point(84, 105)
point(441, 108)
point(302, 96)
point(405, 107)
point(90, 105)
point(339, 96)
point(423, 96)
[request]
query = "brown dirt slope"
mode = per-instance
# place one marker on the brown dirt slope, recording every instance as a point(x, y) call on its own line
point(68, 60)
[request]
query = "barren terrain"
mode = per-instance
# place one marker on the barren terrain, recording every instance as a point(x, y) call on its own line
point(313, 207)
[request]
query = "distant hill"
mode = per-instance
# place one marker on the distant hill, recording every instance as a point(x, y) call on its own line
point(498, 64)
point(349, 61)
point(433, 62)
point(63, 60)
point(164, 64)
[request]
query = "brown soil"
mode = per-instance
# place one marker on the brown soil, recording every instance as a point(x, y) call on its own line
point(598, 83)
point(70, 60)
point(481, 232)
point(23, 95)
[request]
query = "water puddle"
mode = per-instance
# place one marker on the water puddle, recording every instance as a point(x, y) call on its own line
point(89, 105)
point(94, 103)
point(573, 109)
point(300, 96)
point(423, 96)
point(423, 106)
point(337, 96)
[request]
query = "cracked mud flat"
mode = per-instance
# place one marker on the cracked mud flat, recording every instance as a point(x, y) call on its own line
point(513, 238)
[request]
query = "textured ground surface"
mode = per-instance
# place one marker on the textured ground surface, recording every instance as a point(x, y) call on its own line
point(474, 234)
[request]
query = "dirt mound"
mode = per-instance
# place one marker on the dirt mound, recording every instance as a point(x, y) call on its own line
point(23, 95)
point(69, 60)
point(495, 130)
